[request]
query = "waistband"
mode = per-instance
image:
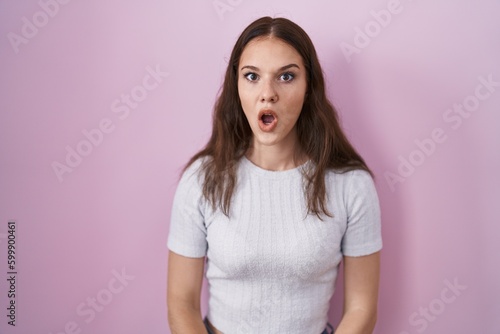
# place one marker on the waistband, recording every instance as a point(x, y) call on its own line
point(328, 330)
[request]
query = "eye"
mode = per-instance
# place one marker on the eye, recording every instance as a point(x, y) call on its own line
point(287, 77)
point(251, 76)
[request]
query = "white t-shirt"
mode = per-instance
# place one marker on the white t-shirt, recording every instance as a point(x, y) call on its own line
point(271, 268)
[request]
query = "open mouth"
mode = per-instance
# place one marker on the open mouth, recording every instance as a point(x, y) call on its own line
point(267, 120)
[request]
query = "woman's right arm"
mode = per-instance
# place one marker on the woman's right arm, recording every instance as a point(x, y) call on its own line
point(184, 281)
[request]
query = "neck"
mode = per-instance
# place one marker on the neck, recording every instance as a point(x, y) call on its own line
point(277, 157)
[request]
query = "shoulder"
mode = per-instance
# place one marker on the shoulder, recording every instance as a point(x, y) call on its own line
point(354, 187)
point(191, 180)
point(359, 178)
point(349, 180)
point(194, 171)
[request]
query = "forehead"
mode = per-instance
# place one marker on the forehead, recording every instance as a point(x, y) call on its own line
point(269, 52)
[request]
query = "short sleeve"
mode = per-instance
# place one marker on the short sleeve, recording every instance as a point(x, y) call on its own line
point(363, 235)
point(188, 235)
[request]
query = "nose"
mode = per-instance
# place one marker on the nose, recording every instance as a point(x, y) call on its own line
point(269, 93)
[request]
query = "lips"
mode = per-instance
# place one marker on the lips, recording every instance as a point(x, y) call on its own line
point(267, 120)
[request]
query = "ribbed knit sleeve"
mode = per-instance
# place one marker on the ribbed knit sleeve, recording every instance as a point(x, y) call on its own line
point(188, 234)
point(363, 234)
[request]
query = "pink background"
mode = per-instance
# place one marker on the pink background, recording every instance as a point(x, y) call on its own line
point(110, 214)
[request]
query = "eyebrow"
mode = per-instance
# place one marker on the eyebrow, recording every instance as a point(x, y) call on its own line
point(254, 68)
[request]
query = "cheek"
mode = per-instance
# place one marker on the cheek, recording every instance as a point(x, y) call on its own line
point(244, 104)
point(244, 96)
point(295, 103)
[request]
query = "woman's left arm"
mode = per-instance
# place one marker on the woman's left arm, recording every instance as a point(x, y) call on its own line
point(361, 282)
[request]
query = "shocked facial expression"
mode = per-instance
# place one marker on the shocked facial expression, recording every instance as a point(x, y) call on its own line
point(272, 84)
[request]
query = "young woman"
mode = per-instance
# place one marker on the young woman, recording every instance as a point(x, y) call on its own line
point(274, 202)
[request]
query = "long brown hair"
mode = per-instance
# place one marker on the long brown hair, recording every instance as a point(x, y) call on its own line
point(319, 134)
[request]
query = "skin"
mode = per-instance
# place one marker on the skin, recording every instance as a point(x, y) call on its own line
point(361, 281)
point(272, 75)
point(184, 284)
point(264, 83)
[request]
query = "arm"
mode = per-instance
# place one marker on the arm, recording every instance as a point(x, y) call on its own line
point(185, 277)
point(361, 281)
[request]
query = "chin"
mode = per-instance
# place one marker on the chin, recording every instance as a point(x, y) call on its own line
point(267, 139)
